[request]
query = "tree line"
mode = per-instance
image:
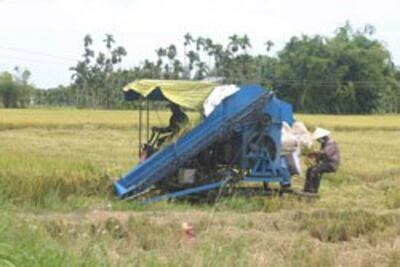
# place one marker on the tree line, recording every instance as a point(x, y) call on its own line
point(15, 89)
point(350, 72)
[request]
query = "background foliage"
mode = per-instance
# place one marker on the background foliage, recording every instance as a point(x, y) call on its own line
point(15, 90)
point(349, 72)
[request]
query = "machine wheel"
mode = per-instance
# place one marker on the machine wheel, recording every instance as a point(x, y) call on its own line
point(261, 145)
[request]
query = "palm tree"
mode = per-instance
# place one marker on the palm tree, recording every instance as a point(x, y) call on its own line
point(188, 39)
point(80, 78)
point(109, 41)
point(208, 44)
point(269, 44)
point(87, 40)
point(202, 70)
point(101, 57)
point(218, 52)
point(234, 42)
point(177, 68)
point(161, 52)
point(200, 42)
point(80, 72)
point(121, 51)
point(171, 52)
point(117, 55)
point(245, 42)
point(193, 57)
point(208, 47)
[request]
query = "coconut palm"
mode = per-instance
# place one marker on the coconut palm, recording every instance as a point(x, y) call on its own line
point(188, 39)
point(109, 41)
point(245, 42)
point(202, 70)
point(234, 42)
point(200, 42)
point(193, 57)
point(171, 52)
point(269, 44)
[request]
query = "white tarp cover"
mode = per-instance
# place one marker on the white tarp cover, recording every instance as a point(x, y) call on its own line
point(217, 96)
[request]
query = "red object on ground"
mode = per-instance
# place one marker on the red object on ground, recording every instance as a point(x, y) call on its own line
point(188, 231)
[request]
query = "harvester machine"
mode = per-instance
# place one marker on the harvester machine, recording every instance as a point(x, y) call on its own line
point(236, 145)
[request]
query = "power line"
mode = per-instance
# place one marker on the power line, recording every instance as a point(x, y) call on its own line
point(329, 83)
point(322, 81)
point(36, 53)
point(36, 60)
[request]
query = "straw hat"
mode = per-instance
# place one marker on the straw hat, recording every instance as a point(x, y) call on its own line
point(320, 133)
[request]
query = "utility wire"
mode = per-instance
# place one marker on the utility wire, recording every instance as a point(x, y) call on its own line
point(35, 60)
point(306, 83)
point(36, 53)
point(294, 82)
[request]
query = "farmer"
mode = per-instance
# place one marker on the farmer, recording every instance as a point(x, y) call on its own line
point(327, 160)
point(176, 122)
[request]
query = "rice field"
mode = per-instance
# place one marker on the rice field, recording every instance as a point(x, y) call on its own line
point(57, 208)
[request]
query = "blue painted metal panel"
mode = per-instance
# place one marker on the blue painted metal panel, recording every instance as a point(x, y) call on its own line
point(186, 192)
point(269, 167)
point(168, 160)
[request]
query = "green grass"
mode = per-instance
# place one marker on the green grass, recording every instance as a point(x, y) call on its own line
point(57, 166)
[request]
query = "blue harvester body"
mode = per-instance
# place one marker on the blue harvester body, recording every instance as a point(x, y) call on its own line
point(249, 122)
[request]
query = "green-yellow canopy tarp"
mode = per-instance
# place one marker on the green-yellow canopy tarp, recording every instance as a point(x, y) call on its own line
point(188, 94)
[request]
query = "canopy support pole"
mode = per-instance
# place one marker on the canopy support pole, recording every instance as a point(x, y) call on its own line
point(140, 126)
point(148, 120)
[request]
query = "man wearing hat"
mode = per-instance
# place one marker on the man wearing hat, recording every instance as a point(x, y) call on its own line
point(327, 159)
point(176, 122)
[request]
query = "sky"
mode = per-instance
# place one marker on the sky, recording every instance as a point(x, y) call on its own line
point(45, 36)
